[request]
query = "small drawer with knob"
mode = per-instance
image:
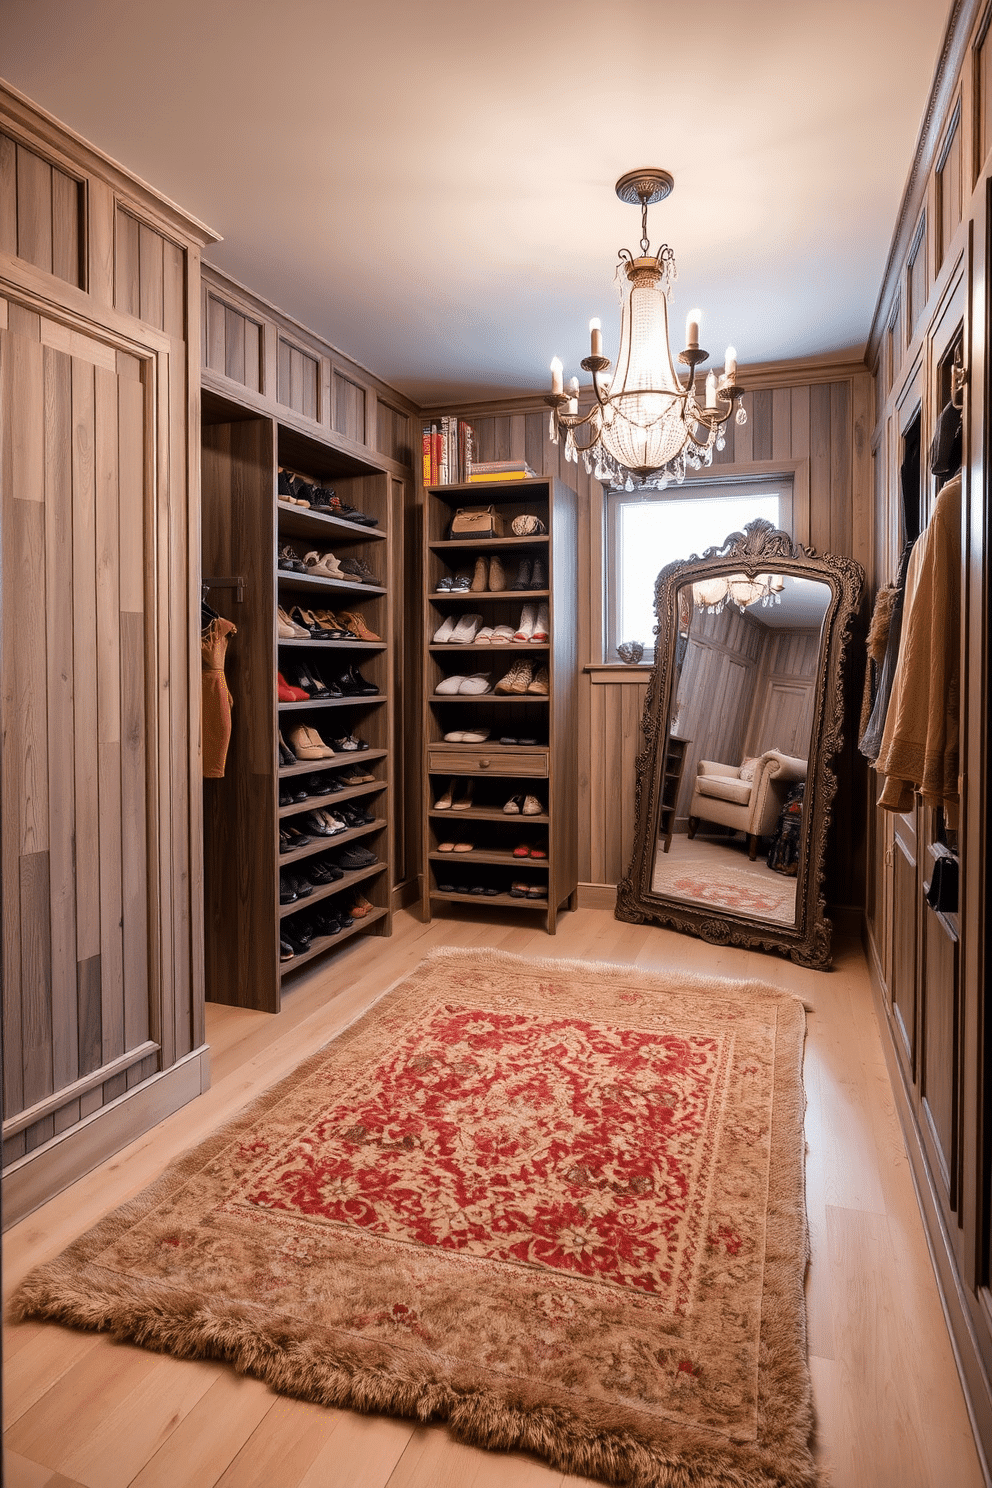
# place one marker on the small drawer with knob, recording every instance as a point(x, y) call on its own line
point(485, 760)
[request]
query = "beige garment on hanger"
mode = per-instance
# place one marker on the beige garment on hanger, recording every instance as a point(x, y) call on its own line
point(919, 748)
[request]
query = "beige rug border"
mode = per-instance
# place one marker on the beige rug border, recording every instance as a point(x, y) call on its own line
point(603, 1442)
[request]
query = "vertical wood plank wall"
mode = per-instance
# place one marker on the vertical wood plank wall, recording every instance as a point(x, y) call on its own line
point(102, 984)
point(815, 416)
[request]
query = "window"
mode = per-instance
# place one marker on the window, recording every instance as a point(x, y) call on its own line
point(647, 532)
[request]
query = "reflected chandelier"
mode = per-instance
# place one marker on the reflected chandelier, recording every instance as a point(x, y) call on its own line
point(648, 426)
point(738, 589)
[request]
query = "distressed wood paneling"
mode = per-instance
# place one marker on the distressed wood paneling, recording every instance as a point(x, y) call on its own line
point(100, 849)
point(350, 407)
point(298, 379)
point(41, 212)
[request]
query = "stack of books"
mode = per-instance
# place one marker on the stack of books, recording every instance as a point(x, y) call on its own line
point(447, 451)
point(500, 470)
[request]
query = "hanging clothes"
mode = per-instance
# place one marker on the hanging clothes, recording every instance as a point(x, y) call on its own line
point(919, 749)
point(217, 700)
point(887, 619)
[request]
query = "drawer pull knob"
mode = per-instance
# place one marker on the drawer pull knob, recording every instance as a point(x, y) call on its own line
point(484, 764)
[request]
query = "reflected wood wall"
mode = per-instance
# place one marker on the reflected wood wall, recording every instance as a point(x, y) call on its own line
point(812, 418)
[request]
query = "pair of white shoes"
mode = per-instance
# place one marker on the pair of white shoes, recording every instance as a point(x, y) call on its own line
point(324, 566)
point(477, 683)
point(461, 631)
point(534, 623)
point(467, 736)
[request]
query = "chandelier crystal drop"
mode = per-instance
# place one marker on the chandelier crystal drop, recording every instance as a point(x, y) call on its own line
point(649, 426)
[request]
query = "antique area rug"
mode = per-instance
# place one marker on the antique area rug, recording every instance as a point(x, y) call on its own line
point(557, 1205)
point(769, 897)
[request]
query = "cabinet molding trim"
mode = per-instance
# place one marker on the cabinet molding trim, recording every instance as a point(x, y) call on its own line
point(69, 1093)
point(49, 1169)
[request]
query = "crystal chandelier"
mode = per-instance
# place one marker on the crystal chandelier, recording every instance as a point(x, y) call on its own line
point(649, 425)
point(714, 594)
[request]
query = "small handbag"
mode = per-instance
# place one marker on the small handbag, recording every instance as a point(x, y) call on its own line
point(477, 521)
point(528, 526)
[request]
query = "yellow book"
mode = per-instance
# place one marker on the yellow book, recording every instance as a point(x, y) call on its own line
point(502, 475)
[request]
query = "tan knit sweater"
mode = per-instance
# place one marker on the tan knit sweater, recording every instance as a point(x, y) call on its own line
point(920, 742)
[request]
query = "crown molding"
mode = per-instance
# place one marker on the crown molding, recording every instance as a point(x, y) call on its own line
point(964, 16)
point(756, 377)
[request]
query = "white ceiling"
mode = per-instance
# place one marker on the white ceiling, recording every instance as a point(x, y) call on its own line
point(430, 185)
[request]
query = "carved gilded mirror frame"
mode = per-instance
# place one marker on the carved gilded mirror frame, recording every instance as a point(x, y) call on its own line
point(759, 549)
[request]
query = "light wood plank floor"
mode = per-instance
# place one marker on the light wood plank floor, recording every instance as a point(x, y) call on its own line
point(81, 1410)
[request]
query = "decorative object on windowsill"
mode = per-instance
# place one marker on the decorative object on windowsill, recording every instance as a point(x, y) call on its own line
point(714, 594)
point(630, 652)
point(649, 425)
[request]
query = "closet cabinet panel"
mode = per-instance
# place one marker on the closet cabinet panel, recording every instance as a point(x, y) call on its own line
point(102, 973)
point(74, 778)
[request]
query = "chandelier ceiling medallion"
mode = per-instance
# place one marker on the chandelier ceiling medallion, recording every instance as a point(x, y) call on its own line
point(649, 425)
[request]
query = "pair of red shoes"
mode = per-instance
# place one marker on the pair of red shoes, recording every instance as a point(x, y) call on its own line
point(287, 694)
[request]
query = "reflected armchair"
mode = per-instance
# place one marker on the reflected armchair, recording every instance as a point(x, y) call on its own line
point(746, 797)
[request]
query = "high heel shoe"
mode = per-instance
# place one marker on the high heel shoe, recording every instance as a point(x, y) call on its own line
point(289, 630)
point(287, 694)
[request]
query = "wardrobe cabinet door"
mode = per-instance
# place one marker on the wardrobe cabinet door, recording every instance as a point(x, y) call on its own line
point(79, 564)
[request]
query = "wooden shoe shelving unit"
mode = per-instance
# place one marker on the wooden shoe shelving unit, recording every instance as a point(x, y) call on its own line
point(495, 772)
point(244, 527)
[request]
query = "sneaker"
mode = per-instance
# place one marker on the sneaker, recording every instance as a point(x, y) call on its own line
point(528, 620)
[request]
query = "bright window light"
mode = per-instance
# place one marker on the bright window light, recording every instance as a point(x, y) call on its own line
point(647, 534)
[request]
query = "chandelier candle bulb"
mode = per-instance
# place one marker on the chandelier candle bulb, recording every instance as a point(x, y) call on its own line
point(730, 364)
point(557, 385)
point(573, 401)
point(692, 330)
point(596, 337)
point(711, 390)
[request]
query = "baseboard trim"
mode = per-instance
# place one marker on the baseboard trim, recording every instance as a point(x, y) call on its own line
point(954, 1301)
point(34, 1179)
point(597, 896)
point(405, 894)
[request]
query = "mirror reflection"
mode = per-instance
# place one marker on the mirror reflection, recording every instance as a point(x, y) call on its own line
point(748, 658)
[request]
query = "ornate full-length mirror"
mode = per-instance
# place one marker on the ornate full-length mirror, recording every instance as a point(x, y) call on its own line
point(743, 717)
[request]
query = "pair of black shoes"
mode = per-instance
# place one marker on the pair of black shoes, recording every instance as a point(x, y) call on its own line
point(293, 886)
point(301, 675)
point(292, 792)
point(464, 888)
point(354, 815)
point(355, 857)
point(292, 837)
point(324, 871)
point(286, 755)
point(298, 933)
point(531, 574)
point(353, 684)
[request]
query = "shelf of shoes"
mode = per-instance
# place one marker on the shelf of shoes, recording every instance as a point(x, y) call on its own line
point(305, 524)
point(499, 672)
point(331, 568)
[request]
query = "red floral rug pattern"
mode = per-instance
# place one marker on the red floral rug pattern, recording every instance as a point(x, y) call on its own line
point(560, 1143)
point(556, 1204)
